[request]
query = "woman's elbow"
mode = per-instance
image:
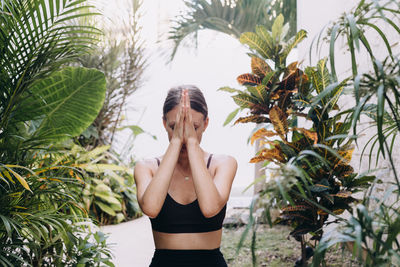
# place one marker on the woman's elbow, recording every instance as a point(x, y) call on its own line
point(149, 211)
point(209, 213)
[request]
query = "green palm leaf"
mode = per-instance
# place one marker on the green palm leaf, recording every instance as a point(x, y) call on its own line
point(232, 17)
point(35, 40)
point(67, 102)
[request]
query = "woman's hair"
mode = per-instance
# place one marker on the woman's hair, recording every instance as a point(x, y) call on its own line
point(197, 101)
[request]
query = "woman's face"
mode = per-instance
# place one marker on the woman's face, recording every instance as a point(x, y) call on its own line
point(198, 122)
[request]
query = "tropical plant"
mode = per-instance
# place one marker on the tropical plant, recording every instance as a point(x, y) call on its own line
point(123, 63)
point(41, 104)
point(372, 230)
point(232, 17)
point(109, 193)
point(105, 190)
point(314, 178)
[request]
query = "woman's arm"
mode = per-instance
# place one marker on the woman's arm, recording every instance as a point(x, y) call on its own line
point(212, 193)
point(152, 189)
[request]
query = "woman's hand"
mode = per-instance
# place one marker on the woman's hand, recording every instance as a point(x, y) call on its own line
point(189, 133)
point(177, 134)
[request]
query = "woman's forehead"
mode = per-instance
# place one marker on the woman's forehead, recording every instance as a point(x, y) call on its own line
point(196, 116)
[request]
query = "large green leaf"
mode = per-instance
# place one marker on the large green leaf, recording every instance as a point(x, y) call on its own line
point(277, 28)
point(66, 102)
point(292, 43)
point(255, 42)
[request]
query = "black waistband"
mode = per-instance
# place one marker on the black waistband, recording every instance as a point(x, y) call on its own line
point(183, 252)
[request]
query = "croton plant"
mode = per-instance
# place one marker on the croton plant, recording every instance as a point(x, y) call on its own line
point(318, 145)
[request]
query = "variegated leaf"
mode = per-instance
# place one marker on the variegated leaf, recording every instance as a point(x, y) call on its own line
point(277, 27)
point(319, 188)
point(243, 100)
point(257, 159)
point(265, 35)
point(292, 44)
point(309, 134)
point(343, 194)
point(291, 78)
point(255, 42)
point(249, 79)
point(346, 156)
point(295, 208)
point(260, 92)
point(338, 211)
point(279, 121)
point(343, 170)
point(322, 76)
point(261, 133)
point(273, 154)
point(252, 118)
point(259, 67)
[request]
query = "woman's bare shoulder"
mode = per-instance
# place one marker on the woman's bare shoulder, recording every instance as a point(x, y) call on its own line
point(222, 159)
point(147, 163)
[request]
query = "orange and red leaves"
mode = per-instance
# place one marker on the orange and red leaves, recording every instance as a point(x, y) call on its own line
point(274, 154)
point(259, 67)
point(262, 133)
point(249, 79)
point(279, 121)
point(252, 118)
point(307, 133)
point(291, 78)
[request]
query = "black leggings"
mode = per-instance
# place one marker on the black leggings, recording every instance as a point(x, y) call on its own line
point(188, 258)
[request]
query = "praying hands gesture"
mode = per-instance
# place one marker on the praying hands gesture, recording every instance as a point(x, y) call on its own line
point(184, 129)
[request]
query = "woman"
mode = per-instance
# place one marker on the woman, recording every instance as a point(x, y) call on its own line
point(185, 191)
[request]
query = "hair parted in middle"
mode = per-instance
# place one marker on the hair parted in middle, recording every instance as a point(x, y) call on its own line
point(197, 100)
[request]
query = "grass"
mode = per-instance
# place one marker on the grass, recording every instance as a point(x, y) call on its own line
point(273, 248)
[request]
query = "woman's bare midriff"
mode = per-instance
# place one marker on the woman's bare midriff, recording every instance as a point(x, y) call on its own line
point(208, 240)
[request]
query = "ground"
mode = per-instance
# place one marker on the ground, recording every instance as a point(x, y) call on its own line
point(133, 245)
point(273, 249)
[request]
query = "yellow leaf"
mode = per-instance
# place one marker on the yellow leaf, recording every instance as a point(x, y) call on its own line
point(78, 178)
point(21, 180)
point(6, 174)
point(273, 154)
point(343, 194)
point(346, 155)
point(321, 212)
point(259, 67)
point(267, 142)
point(279, 120)
point(261, 133)
point(338, 211)
point(252, 118)
point(311, 135)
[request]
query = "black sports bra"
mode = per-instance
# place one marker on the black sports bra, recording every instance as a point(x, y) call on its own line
point(178, 218)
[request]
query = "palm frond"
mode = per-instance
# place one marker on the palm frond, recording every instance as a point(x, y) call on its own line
point(232, 17)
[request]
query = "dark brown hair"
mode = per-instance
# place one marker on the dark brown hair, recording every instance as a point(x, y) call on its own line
point(197, 101)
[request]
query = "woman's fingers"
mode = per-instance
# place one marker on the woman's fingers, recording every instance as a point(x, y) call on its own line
point(188, 113)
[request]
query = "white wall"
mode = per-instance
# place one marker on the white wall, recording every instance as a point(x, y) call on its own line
point(217, 61)
point(313, 15)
